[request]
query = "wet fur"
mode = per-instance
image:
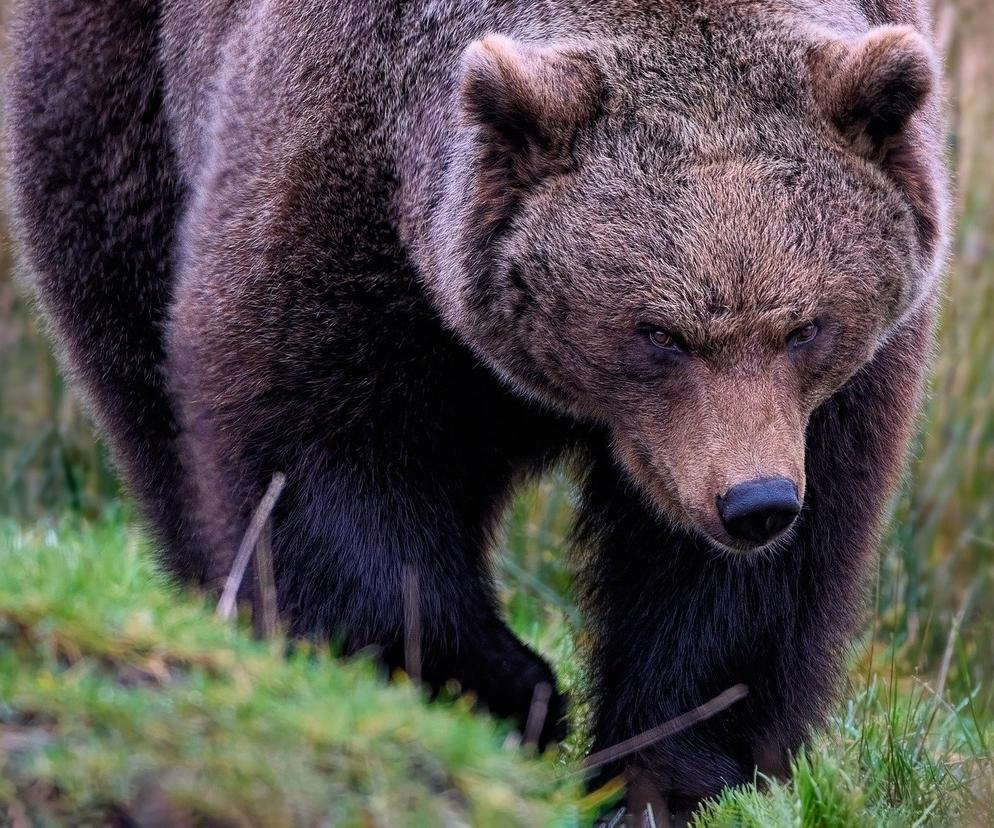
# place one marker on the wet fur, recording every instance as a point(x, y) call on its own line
point(248, 264)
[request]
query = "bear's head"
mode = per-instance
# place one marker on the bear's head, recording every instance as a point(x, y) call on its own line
point(694, 237)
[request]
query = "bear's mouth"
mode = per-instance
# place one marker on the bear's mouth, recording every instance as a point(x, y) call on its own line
point(728, 545)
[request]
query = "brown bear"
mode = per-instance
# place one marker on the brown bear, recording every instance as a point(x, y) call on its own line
point(411, 253)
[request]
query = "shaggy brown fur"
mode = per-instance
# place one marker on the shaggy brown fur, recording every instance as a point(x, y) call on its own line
point(409, 253)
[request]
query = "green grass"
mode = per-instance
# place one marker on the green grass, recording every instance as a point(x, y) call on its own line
point(118, 696)
point(886, 760)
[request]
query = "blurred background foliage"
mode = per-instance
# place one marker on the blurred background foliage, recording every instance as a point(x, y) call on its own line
point(934, 624)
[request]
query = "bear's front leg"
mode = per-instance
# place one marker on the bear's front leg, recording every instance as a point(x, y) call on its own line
point(387, 554)
point(381, 535)
point(399, 452)
point(677, 622)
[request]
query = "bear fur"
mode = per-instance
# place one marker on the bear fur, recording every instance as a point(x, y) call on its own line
point(412, 253)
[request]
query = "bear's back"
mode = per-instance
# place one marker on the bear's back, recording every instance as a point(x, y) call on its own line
point(383, 72)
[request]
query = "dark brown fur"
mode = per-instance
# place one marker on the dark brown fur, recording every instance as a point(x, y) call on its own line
point(410, 253)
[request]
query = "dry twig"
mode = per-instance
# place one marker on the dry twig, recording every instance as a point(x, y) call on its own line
point(537, 713)
point(412, 624)
point(667, 729)
point(226, 606)
point(265, 613)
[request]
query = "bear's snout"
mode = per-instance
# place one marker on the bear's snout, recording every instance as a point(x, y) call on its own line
point(758, 511)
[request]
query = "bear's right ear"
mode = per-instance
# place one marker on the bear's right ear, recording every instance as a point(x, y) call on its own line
point(870, 89)
point(528, 103)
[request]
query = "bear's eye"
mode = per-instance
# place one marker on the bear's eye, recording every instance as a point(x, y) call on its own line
point(803, 335)
point(664, 340)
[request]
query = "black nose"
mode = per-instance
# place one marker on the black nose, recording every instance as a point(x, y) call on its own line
point(759, 510)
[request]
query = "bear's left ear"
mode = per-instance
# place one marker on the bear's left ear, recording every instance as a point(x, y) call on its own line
point(871, 88)
point(528, 102)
